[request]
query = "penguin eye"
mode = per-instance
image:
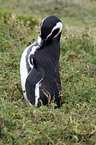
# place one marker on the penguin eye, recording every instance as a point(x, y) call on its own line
point(55, 32)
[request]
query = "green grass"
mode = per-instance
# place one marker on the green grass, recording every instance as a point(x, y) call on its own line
point(75, 122)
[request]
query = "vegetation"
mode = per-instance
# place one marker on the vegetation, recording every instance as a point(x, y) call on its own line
point(75, 122)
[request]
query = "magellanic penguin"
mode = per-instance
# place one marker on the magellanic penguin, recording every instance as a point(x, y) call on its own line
point(39, 71)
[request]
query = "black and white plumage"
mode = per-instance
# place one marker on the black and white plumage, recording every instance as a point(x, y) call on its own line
point(39, 65)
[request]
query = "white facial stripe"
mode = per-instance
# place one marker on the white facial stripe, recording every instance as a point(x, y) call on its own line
point(39, 40)
point(58, 25)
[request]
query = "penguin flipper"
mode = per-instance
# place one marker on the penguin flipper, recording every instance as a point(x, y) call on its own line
point(35, 77)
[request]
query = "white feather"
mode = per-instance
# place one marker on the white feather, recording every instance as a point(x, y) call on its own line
point(37, 93)
point(24, 72)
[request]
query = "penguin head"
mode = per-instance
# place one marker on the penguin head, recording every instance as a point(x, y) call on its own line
point(51, 28)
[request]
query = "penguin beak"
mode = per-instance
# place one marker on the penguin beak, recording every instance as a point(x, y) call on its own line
point(40, 42)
